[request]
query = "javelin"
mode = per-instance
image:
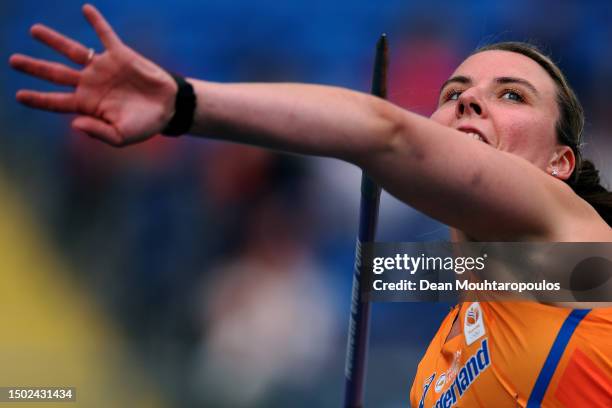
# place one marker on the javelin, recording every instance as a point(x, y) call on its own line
point(359, 323)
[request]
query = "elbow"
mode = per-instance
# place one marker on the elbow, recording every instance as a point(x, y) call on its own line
point(391, 127)
point(387, 134)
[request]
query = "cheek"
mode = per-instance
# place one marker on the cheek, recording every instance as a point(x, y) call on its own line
point(518, 134)
point(443, 116)
point(527, 136)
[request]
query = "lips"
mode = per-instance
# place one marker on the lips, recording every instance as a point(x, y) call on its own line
point(475, 133)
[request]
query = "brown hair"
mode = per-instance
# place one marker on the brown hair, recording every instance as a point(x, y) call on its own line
point(585, 178)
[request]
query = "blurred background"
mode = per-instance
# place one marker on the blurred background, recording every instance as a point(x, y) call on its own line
point(192, 273)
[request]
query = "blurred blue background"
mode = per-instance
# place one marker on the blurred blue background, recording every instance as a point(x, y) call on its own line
point(226, 270)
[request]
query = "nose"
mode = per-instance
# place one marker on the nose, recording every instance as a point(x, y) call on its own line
point(469, 104)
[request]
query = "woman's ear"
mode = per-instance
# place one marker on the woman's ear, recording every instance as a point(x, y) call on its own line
point(562, 163)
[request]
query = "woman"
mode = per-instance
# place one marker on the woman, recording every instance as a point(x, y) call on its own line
point(503, 147)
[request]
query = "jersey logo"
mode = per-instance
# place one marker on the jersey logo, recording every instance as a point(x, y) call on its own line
point(440, 383)
point(470, 371)
point(426, 385)
point(473, 324)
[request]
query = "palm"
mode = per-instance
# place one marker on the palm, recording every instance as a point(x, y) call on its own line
point(121, 97)
point(125, 89)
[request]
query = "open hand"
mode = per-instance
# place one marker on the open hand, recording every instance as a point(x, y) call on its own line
point(120, 97)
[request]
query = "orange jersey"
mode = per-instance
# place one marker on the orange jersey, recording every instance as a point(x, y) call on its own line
point(518, 354)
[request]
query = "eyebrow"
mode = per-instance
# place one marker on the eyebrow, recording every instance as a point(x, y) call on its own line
point(458, 79)
point(465, 80)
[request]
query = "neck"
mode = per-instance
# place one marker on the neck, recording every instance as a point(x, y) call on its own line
point(457, 235)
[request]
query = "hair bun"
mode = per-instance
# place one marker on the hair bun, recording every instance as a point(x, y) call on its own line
point(588, 181)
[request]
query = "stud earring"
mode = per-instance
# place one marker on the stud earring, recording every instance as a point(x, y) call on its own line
point(554, 172)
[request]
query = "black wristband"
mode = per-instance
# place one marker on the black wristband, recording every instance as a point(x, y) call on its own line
point(184, 108)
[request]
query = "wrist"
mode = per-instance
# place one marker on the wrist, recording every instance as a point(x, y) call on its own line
point(185, 101)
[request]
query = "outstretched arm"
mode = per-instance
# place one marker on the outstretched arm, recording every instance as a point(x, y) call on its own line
point(489, 194)
point(301, 118)
point(122, 98)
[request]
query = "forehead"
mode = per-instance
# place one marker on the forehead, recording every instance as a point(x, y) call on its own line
point(488, 65)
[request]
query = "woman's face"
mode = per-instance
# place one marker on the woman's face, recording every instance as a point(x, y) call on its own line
point(508, 99)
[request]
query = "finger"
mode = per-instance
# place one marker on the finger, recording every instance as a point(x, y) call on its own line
point(51, 71)
point(50, 101)
point(103, 29)
point(72, 49)
point(98, 129)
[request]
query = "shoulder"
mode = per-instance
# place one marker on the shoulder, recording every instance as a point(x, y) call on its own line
point(574, 219)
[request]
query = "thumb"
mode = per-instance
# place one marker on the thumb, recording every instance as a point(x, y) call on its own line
point(98, 129)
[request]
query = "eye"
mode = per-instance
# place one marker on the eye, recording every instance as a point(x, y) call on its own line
point(451, 95)
point(513, 95)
